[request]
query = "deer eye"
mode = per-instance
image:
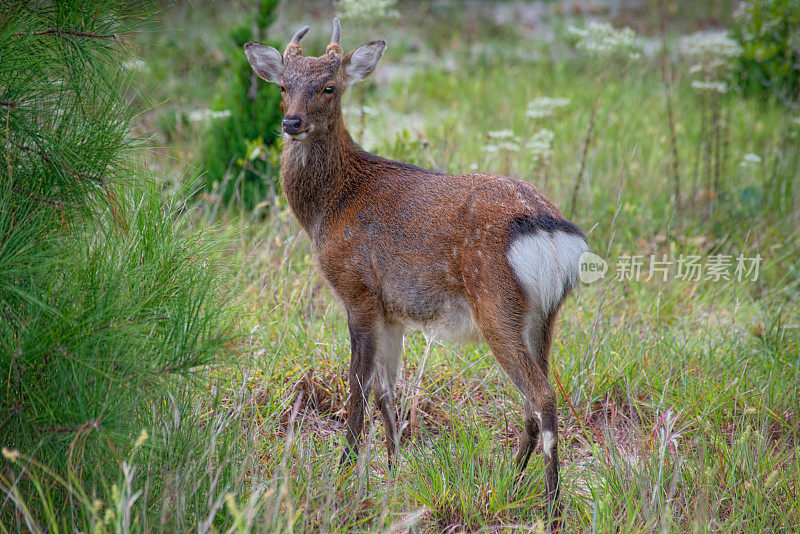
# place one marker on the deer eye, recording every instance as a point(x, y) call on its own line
point(329, 89)
point(283, 89)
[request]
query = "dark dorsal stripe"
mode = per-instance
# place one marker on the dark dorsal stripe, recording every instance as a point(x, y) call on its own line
point(527, 224)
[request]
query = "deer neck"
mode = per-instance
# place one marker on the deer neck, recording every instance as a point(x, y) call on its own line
point(317, 173)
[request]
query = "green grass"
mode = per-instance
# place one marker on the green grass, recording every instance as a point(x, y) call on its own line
point(678, 400)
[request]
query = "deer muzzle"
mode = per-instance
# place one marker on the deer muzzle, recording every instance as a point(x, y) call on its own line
point(292, 125)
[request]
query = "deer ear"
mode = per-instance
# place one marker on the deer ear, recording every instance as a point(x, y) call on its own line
point(265, 60)
point(360, 63)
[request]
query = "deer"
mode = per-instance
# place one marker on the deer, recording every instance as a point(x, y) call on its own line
point(464, 258)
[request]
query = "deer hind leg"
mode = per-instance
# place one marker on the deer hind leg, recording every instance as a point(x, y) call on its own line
point(529, 436)
point(541, 413)
point(537, 353)
point(545, 400)
point(388, 353)
point(541, 404)
point(362, 371)
point(520, 340)
point(539, 342)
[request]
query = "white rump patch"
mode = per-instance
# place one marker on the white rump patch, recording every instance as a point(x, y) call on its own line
point(547, 265)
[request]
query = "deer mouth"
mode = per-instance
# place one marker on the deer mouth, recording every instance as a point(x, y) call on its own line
point(299, 136)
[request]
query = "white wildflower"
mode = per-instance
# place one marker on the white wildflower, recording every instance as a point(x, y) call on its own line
point(711, 54)
point(501, 134)
point(367, 9)
point(545, 107)
point(540, 145)
point(502, 141)
point(718, 87)
point(710, 45)
point(602, 38)
point(502, 146)
point(199, 115)
point(510, 146)
point(750, 159)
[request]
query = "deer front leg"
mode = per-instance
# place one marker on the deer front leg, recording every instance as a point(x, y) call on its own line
point(388, 352)
point(384, 400)
point(362, 370)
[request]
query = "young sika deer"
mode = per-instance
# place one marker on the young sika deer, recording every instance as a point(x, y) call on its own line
point(465, 258)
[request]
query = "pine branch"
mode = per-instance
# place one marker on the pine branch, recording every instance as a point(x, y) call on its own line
point(84, 254)
point(76, 174)
point(67, 429)
point(76, 33)
point(55, 203)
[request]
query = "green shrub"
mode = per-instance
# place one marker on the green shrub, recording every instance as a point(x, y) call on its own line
point(108, 297)
point(769, 32)
point(254, 114)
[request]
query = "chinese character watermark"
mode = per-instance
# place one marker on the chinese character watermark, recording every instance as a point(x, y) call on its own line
point(660, 267)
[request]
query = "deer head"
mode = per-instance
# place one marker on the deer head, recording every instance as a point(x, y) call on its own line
point(312, 87)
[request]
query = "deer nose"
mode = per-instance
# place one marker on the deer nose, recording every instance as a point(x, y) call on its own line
point(291, 125)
